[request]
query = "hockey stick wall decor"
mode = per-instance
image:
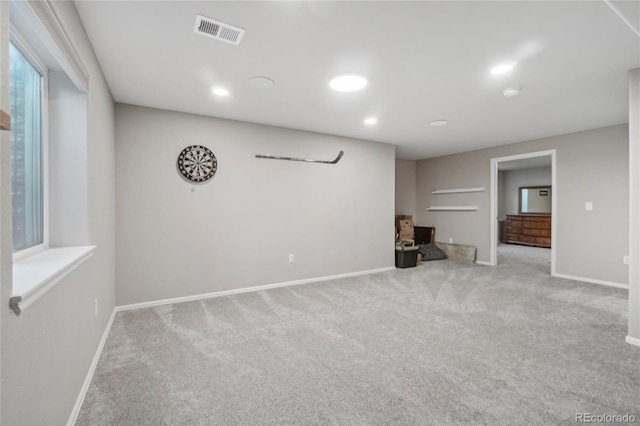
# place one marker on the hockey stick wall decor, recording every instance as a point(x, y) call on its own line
point(275, 157)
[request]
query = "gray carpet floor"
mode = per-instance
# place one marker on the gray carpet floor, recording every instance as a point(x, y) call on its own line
point(442, 343)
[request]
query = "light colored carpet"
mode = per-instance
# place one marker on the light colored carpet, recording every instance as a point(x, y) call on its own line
point(442, 343)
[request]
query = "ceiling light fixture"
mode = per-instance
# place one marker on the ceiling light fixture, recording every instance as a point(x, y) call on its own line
point(370, 120)
point(437, 123)
point(219, 91)
point(503, 68)
point(261, 82)
point(348, 83)
point(511, 91)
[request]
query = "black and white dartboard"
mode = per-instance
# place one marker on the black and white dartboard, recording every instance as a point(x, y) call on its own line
point(197, 163)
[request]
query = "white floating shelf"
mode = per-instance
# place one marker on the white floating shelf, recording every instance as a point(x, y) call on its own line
point(457, 190)
point(453, 208)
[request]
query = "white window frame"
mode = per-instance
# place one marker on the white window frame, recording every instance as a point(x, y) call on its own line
point(29, 53)
point(46, 39)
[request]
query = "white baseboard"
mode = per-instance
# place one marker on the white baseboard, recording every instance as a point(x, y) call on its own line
point(592, 281)
point(87, 381)
point(482, 262)
point(247, 289)
point(633, 341)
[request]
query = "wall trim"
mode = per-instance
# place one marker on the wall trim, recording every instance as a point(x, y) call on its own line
point(591, 281)
point(634, 204)
point(482, 262)
point(632, 341)
point(92, 368)
point(247, 289)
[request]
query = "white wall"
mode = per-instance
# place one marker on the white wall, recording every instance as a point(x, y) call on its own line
point(47, 350)
point(513, 180)
point(406, 187)
point(177, 239)
point(68, 203)
point(591, 166)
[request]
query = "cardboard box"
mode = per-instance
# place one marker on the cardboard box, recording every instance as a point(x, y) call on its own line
point(398, 219)
point(406, 229)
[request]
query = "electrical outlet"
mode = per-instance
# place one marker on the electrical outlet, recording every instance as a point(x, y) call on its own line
point(95, 307)
point(625, 260)
point(588, 206)
point(450, 240)
point(291, 258)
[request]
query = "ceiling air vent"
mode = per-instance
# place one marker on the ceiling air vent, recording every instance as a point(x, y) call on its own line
point(218, 30)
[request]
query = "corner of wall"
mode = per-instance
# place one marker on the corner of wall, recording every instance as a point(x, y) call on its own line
point(405, 187)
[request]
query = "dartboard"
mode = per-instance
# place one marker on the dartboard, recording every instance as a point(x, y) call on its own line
point(197, 163)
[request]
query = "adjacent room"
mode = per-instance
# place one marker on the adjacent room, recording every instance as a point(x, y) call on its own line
point(319, 212)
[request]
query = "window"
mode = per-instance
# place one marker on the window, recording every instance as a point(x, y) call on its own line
point(28, 82)
point(49, 104)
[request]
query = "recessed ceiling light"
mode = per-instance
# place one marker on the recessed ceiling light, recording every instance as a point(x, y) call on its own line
point(511, 91)
point(437, 123)
point(503, 68)
point(370, 120)
point(348, 83)
point(220, 91)
point(261, 82)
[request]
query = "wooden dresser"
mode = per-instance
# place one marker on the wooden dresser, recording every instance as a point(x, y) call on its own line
point(532, 230)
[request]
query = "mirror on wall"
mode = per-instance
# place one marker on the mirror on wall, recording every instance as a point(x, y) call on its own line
point(535, 199)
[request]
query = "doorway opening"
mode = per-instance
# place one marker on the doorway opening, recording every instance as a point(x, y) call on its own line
point(515, 162)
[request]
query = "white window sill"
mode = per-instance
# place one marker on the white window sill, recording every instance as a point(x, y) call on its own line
point(34, 276)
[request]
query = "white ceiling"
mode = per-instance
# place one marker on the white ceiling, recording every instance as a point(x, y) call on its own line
point(423, 60)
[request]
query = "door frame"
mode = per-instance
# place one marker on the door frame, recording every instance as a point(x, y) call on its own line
point(493, 258)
